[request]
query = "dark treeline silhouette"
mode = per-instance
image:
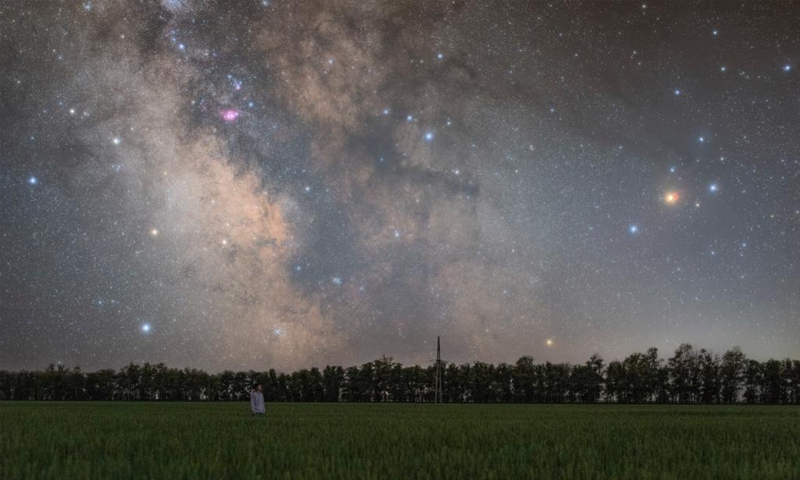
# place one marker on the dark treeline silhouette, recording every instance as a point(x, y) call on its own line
point(689, 377)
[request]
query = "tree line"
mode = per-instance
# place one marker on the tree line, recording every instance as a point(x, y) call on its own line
point(690, 376)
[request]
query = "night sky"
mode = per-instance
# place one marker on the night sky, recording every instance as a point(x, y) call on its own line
point(256, 184)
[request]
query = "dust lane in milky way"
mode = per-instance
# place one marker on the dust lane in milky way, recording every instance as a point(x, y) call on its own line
point(254, 184)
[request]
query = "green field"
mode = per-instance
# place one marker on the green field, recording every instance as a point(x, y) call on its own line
point(383, 441)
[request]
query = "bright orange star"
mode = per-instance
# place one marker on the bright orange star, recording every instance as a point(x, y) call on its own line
point(671, 198)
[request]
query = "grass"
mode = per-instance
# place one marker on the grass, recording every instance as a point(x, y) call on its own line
point(385, 441)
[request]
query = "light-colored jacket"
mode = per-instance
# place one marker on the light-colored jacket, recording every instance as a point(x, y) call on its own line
point(256, 402)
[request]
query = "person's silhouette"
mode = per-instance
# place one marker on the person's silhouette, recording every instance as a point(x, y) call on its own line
point(257, 400)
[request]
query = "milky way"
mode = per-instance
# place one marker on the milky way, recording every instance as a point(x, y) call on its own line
point(255, 184)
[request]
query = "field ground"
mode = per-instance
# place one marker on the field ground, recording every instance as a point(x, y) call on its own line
point(385, 441)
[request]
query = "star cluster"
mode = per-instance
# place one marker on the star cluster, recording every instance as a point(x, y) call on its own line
point(244, 184)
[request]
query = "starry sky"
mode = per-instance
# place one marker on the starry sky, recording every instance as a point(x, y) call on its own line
point(254, 184)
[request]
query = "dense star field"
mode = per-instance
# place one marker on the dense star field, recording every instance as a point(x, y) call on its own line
point(243, 184)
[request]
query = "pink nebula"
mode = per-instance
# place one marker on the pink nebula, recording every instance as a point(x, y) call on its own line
point(230, 115)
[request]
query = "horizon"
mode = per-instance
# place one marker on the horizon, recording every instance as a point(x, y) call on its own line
point(661, 357)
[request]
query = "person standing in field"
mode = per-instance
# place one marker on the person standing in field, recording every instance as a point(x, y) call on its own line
point(257, 400)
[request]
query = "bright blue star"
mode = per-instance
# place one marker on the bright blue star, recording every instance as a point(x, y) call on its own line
point(713, 188)
point(715, 32)
point(677, 92)
point(33, 181)
point(672, 169)
point(722, 68)
point(440, 56)
point(701, 139)
point(146, 328)
point(386, 111)
point(429, 136)
point(633, 229)
point(787, 68)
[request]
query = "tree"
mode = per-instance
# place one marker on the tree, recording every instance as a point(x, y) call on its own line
point(752, 381)
point(382, 378)
point(419, 383)
point(684, 373)
point(398, 387)
point(502, 384)
point(615, 382)
point(637, 377)
point(773, 383)
point(352, 389)
point(75, 384)
point(690, 376)
point(523, 381)
point(480, 382)
point(792, 373)
point(587, 380)
point(148, 382)
point(554, 382)
point(6, 385)
point(732, 370)
point(332, 382)
point(314, 388)
point(454, 382)
point(710, 383)
point(55, 383)
point(367, 383)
